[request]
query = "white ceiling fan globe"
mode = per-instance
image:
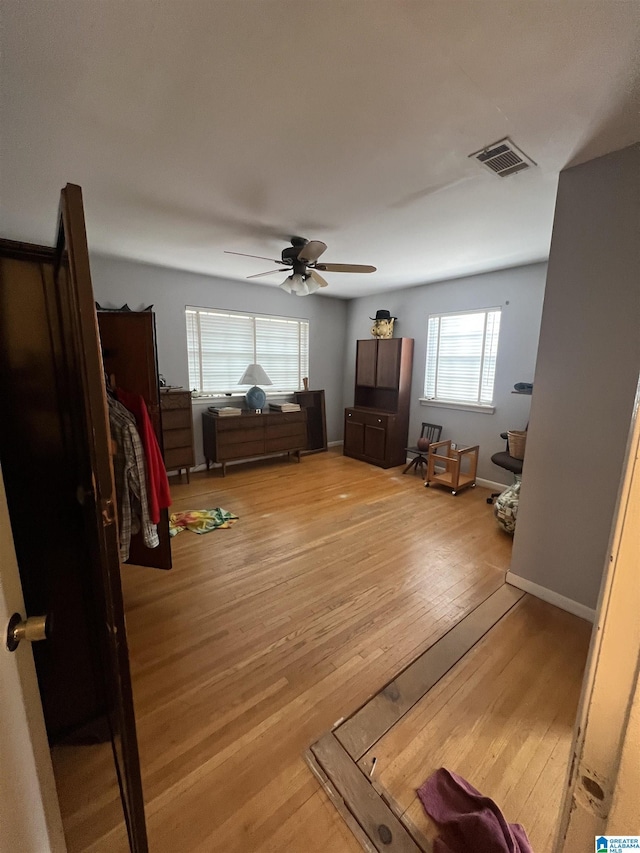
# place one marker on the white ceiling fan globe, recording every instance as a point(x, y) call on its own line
point(299, 285)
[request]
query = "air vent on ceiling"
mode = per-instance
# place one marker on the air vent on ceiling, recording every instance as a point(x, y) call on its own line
point(503, 158)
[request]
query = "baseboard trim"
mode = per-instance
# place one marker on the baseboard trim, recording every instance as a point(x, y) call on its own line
point(491, 484)
point(335, 443)
point(552, 597)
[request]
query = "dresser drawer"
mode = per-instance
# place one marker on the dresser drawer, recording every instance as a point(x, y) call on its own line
point(291, 418)
point(245, 435)
point(177, 438)
point(378, 419)
point(294, 441)
point(176, 418)
point(241, 450)
point(179, 400)
point(283, 430)
point(233, 423)
point(179, 457)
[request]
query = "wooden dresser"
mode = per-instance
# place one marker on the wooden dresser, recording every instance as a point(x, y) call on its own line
point(249, 435)
point(177, 431)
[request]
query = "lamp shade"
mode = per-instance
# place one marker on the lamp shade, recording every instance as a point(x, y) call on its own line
point(255, 375)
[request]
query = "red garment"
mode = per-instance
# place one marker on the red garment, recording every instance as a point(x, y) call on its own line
point(158, 485)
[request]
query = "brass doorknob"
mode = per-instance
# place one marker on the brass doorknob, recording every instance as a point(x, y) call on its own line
point(33, 629)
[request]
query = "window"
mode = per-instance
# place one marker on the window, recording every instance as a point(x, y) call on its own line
point(221, 344)
point(461, 357)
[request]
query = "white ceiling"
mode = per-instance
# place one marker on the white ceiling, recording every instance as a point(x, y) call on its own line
point(198, 126)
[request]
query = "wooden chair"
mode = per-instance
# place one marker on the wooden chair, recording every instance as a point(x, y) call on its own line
point(451, 464)
point(431, 432)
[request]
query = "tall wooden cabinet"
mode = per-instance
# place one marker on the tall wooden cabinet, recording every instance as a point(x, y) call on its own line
point(377, 425)
point(177, 431)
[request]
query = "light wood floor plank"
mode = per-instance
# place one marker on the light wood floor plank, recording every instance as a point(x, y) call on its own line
point(335, 577)
point(368, 725)
point(502, 718)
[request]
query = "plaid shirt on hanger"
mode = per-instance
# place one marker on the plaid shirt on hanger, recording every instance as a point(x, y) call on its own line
point(130, 480)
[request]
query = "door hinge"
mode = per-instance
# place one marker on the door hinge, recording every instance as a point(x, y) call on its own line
point(108, 512)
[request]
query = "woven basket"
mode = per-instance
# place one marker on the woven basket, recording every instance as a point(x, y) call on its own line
point(517, 439)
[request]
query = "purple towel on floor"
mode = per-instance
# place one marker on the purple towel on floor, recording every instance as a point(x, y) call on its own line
point(467, 820)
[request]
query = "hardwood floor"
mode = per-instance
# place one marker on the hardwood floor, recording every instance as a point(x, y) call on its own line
point(502, 717)
point(336, 576)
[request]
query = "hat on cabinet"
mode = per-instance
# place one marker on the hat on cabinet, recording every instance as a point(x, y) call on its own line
point(383, 314)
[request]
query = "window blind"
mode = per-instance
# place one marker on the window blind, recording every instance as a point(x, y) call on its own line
point(461, 356)
point(220, 345)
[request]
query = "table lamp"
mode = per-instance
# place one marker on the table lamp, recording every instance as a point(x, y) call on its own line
point(255, 397)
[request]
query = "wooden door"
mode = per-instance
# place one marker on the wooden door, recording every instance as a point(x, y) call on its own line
point(128, 340)
point(42, 448)
point(375, 442)
point(353, 438)
point(31, 819)
point(388, 363)
point(73, 280)
point(366, 363)
point(54, 448)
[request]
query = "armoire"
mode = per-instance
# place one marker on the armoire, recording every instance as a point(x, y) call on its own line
point(376, 426)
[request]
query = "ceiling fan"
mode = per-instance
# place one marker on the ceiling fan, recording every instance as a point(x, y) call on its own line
point(301, 258)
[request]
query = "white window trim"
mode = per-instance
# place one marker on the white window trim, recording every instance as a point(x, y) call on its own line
point(238, 394)
point(481, 408)
point(465, 407)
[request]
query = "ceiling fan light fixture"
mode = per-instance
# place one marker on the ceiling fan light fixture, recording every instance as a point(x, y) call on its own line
point(307, 287)
point(299, 284)
point(302, 259)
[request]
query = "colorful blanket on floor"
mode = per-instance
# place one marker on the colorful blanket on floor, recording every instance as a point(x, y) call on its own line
point(200, 520)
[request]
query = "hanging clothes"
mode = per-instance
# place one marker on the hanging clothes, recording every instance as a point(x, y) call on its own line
point(130, 480)
point(157, 480)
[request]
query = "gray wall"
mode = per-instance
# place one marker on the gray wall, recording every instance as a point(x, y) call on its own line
point(116, 281)
point(519, 292)
point(586, 379)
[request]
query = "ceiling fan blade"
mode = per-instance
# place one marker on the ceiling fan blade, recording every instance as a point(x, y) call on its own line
point(312, 251)
point(345, 268)
point(318, 279)
point(270, 272)
point(275, 260)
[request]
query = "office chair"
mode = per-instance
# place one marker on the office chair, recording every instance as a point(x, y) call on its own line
point(432, 433)
point(505, 460)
